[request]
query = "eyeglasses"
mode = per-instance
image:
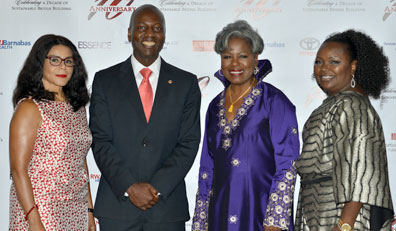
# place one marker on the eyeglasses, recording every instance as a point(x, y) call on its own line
point(56, 61)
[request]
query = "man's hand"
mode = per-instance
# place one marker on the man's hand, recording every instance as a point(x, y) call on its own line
point(143, 195)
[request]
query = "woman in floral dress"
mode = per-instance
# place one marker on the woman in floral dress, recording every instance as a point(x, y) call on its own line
point(49, 141)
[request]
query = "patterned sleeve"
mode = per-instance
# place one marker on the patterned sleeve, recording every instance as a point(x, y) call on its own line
point(360, 171)
point(284, 136)
point(200, 218)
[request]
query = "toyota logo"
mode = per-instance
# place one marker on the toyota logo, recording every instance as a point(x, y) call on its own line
point(309, 44)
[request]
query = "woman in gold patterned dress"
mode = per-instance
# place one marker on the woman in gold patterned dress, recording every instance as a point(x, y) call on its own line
point(343, 164)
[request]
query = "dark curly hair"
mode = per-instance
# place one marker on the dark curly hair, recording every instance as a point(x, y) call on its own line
point(372, 70)
point(29, 83)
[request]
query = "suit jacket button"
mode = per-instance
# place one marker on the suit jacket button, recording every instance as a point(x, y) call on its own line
point(144, 144)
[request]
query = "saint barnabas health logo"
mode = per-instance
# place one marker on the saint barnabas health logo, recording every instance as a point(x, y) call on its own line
point(10, 44)
point(111, 8)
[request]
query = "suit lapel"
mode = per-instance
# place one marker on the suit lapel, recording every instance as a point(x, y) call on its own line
point(130, 89)
point(164, 86)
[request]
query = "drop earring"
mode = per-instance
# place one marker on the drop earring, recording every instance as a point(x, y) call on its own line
point(256, 70)
point(220, 73)
point(353, 82)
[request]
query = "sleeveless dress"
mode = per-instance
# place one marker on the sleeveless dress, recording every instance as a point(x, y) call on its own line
point(56, 170)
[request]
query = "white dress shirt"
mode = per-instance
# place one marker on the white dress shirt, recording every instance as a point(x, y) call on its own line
point(154, 67)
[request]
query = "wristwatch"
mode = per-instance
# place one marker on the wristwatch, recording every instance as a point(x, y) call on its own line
point(344, 226)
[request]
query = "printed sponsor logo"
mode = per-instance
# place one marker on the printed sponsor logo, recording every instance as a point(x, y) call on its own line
point(337, 6)
point(387, 96)
point(41, 5)
point(257, 9)
point(203, 45)
point(95, 177)
point(393, 136)
point(389, 10)
point(112, 9)
point(274, 44)
point(390, 45)
point(391, 148)
point(187, 6)
point(7, 44)
point(93, 45)
point(309, 46)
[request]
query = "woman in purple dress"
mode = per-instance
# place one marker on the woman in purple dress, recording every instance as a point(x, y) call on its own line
point(247, 174)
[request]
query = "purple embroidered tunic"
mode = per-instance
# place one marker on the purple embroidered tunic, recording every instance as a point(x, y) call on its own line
point(247, 174)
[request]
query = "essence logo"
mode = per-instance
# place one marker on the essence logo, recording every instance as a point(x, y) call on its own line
point(389, 10)
point(258, 9)
point(95, 177)
point(309, 45)
point(203, 45)
point(93, 45)
point(113, 10)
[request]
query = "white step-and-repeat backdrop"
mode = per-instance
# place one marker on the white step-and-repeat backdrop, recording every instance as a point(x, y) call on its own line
point(292, 31)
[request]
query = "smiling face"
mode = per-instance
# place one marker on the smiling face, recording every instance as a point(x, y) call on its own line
point(333, 68)
point(148, 35)
point(238, 62)
point(55, 77)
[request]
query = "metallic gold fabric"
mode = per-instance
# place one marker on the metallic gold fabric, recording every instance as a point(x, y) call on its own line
point(343, 159)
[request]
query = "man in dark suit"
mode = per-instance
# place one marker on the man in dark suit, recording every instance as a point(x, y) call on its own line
point(146, 132)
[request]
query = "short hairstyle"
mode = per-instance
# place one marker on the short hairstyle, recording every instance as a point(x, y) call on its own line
point(239, 29)
point(141, 8)
point(30, 84)
point(372, 70)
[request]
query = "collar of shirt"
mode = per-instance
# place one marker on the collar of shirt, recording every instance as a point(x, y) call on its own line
point(154, 67)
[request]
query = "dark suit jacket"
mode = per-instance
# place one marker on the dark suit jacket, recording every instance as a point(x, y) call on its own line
point(127, 150)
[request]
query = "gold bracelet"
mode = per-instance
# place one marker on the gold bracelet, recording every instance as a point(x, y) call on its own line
point(344, 226)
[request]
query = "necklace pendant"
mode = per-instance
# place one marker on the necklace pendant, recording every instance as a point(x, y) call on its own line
point(231, 108)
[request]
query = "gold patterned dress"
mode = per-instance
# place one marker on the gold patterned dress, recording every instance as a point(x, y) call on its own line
point(343, 159)
point(56, 170)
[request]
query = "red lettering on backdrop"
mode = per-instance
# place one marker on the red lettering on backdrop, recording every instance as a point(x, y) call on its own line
point(113, 4)
point(257, 11)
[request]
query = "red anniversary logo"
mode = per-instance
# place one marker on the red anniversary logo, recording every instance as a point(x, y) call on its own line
point(389, 10)
point(112, 9)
